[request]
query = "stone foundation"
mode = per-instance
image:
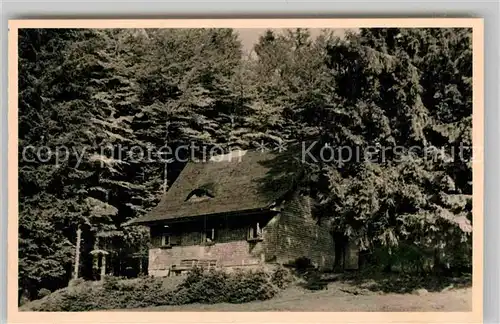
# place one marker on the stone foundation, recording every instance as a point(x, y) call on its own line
point(229, 254)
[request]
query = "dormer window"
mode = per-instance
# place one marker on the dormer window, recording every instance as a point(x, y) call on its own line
point(201, 193)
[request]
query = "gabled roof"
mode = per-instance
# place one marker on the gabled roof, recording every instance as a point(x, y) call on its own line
point(241, 181)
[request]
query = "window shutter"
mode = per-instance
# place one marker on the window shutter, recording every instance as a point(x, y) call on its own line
point(250, 232)
point(156, 241)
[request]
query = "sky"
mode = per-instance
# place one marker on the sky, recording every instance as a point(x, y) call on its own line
point(249, 36)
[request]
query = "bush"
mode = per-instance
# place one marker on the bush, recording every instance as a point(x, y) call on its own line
point(250, 286)
point(110, 282)
point(281, 277)
point(75, 282)
point(305, 270)
point(314, 281)
point(203, 287)
point(207, 287)
point(43, 292)
point(302, 264)
point(217, 286)
point(410, 258)
point(112, 294)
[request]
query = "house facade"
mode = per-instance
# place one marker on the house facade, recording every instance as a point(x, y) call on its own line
point(239, 210)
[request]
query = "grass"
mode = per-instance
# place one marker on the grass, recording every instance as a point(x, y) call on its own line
point(339, 298)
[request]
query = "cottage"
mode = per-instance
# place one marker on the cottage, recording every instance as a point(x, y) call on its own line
point(237, 210)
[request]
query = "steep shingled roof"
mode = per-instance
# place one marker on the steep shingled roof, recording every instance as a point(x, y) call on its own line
point(251, 181)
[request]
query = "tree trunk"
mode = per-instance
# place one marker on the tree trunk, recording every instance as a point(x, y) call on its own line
point(77, 252)
point(103, 266)
point(95, 261)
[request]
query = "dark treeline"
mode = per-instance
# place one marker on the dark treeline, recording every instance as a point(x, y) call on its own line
point(100, 92)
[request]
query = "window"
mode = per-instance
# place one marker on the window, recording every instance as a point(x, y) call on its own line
point(210, 235)
point(165, 240)
point(254, 232)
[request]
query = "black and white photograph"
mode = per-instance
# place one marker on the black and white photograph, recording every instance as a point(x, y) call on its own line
point(245, 169)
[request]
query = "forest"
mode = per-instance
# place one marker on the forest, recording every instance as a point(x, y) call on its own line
point(86, 95)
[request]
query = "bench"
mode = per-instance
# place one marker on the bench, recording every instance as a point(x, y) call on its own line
point(207, 264)
point(188, 264)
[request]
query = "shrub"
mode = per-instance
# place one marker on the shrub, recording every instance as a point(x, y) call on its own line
point(203, 287)
point(76, 282)
point(302, 264)
point(281, 277)
point(314, 281)
point(305, 269)
point(43, 292)
point(216, 286)
point(110, 282)
point(114, 293)
point(250, 286)
point(208, 287)
point(193, 276)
